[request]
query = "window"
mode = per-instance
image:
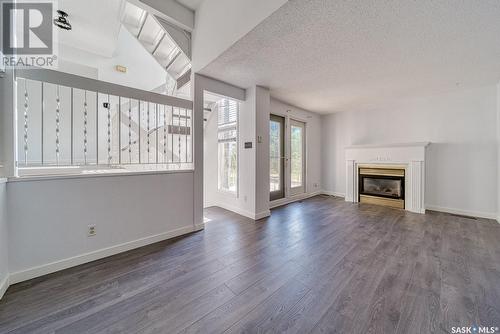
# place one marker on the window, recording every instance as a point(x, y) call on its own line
point(227, 135)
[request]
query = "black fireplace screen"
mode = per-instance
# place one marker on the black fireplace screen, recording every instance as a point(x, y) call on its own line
point(385, 186)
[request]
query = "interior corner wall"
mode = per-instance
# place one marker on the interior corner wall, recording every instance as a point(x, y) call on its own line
point(244, 201)
point(220, 23)
point(461, 166)
point(143, 71)
point(201, 192)
point(314, 147)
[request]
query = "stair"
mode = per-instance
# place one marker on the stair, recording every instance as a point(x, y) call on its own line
point(169, 45)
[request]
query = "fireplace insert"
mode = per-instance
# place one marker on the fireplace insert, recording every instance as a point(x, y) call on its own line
point(382, 186)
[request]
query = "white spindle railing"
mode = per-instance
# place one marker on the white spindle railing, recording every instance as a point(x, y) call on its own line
point(98, 124)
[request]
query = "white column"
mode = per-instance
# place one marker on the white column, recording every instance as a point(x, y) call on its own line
point(198, 150)
point(350, 181)
point(262, 114)
point(415, 196)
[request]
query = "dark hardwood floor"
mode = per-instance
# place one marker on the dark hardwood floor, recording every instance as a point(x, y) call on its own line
point(322, 265)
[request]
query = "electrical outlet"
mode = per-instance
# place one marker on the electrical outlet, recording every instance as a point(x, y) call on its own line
point(315, 185)
point(91, 231)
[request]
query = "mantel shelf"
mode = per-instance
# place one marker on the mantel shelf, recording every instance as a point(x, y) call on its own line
point(415, 144)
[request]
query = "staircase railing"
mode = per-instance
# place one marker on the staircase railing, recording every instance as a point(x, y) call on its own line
point(66, 120)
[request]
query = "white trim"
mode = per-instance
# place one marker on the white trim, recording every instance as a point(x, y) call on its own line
point(437, 208)
point(4, 285)
point(3, 180)
point(48, 268)
point(241, 212)
point(305, 159)
point(93, 175)
point(478, 214)
point(262, 214)
point(103, 87)
point(198, 227)
point(333, 193)
point(295, 198)
point(208, 204)
point(415, 144)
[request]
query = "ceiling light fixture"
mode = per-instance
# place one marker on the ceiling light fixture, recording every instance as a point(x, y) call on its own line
point(62, 21)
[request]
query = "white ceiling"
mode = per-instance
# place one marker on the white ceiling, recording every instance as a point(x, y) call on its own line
point(329, 56)
point(191, 4)
point(96, 25)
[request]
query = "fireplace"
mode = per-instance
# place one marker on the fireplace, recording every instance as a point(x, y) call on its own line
point(401, 160)
point(382, 186)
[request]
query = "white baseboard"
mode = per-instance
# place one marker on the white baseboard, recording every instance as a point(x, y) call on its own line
point(332, 193)
point(242, 212)
point(4, 285)
point(300, 197)
point(235, 209)
point(462, 212)
point(48, 268)
point(262, 214)
point(438, 208)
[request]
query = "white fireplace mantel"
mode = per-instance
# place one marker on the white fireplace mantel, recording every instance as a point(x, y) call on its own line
point(409, 155)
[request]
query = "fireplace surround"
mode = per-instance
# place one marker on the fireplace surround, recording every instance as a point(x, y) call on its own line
point(408, 157)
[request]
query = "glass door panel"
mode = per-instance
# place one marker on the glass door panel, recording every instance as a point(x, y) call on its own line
point(276, 157)
point(297, 157)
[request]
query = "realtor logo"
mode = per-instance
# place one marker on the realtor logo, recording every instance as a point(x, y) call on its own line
point(28, 33)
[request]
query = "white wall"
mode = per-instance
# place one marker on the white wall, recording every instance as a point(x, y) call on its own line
point(262, 111)
point(49, 219)
point(4, 260)
point(461, 168)
point(313, 140)
point(7, 147)
point(143, 71)
point(78, 62)
point(253, 196)
point(498, 152)
point(220, 23)
point(244, 202)
point(252, 199)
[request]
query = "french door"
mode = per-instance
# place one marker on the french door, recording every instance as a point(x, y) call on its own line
point(277, 157)
point(297, 157)
point(286, 157)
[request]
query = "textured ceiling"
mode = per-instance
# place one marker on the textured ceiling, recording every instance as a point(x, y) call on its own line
point(328, 56)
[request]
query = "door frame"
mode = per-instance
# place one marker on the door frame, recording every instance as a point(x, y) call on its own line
point(288, 194)
point(303, 188)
